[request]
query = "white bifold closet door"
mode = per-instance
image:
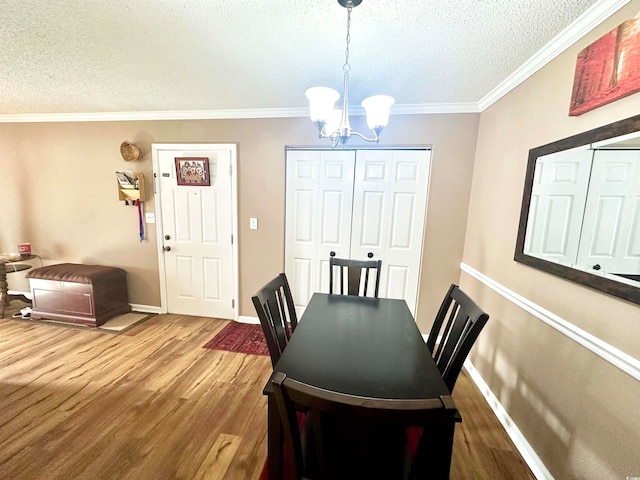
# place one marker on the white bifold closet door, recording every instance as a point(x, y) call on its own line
point(560, 185)
point(611, 228)
point(355, 202)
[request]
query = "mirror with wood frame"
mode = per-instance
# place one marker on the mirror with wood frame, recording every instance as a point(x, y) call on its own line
point(580, 216)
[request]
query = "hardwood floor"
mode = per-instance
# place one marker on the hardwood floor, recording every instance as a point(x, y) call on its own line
point(151, 403)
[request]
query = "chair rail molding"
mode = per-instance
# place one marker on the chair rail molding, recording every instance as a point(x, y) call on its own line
point(606, 351)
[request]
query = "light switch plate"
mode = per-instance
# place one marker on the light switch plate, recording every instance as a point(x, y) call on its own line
point(253, 223)
point(150, 217)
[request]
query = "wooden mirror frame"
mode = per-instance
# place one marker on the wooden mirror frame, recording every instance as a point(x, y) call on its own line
point(612, 287)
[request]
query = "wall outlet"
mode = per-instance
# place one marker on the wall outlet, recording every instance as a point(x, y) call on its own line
point(253, 223)
point(150, 217)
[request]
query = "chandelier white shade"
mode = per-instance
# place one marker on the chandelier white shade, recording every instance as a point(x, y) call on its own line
point(334, 123)
point(377, 108)
point(321, 102)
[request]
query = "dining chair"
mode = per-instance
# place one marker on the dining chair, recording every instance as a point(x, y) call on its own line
point(277, 314)
point(347, 436)
point(456, 327)
point(355, 269)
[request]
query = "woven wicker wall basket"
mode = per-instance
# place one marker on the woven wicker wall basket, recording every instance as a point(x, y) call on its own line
point(129, 151)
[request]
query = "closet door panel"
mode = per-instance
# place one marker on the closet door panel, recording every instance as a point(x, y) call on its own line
point(401, 221)
point(319, 193)
point(560, 193)
point(611, 220)
point(372, 219)
point(391, 227)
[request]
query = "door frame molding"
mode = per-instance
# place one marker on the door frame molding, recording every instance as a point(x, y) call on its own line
point(233, 149)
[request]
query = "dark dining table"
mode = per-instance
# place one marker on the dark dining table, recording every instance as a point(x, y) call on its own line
point(363, 346)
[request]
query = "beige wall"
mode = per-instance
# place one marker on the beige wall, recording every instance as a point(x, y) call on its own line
point(59, 192)
point(578, 412)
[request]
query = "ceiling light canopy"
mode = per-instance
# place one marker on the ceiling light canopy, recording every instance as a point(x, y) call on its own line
point(334, 123)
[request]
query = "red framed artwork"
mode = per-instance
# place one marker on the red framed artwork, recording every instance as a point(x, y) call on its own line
point(193, 171)
point(608, 69)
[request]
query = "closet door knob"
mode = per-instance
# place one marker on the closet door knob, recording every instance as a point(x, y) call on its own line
point(166, 249)
point(370, 255)
point(332, 254)
point(597, 266)
point(167, 237)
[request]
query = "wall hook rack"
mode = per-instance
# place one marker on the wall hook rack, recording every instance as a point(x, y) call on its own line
point(130, 187)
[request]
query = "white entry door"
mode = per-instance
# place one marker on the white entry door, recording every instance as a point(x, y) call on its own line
point(198, 258)
point(354, 203)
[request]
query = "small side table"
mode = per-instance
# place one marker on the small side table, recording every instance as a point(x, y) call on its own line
point(9, 266)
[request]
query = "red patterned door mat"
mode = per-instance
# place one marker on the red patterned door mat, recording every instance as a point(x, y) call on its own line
point(240, 337)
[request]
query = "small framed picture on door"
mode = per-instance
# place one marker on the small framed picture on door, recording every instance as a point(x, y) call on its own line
point(193, 171)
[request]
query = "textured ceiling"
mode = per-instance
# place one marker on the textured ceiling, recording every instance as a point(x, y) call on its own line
point(66, 56)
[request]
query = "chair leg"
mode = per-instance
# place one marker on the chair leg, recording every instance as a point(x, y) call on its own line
point(433, 457)
point(275, 439)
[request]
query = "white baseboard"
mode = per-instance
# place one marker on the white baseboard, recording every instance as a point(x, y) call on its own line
point(253, 320)
point(528, 453)
point(607, 352)
point(15, 292)
point(145, 308)
point(521, 444)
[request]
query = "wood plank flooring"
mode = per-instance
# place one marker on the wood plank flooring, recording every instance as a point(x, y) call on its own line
point(151, 403)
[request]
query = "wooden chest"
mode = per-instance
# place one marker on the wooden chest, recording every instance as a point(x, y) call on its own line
point(85, 294)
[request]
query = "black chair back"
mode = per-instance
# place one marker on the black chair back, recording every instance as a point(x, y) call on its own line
point(356, 270)
point(277, 314)
point(456, 328)
point(380, 447)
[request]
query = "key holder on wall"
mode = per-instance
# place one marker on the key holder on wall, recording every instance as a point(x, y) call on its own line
point(131, 191)
point(130, 187)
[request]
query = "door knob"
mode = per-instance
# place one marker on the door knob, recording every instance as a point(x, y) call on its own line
point(597, 266)
point(332, 254)
point(166, 249)
point(167, 237)
point(370, 255)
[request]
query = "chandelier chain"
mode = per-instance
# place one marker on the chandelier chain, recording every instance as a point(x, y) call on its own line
point(347, 67)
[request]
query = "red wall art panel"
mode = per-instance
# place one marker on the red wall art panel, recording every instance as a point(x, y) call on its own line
point(608, 69)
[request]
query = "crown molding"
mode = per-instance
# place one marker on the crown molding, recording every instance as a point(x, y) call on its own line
point(586, 22)
point(430, 108)
point(154, 115)
point(590, 19)
point(469, 107)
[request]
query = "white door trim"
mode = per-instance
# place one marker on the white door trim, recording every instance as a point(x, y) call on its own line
point(232, 147)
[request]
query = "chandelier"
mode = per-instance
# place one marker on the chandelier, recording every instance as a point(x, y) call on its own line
point(333, 123)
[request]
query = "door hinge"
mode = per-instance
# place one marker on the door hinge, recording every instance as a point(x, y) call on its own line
point(232, 239)
point(233, 303)
point(230, 170)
